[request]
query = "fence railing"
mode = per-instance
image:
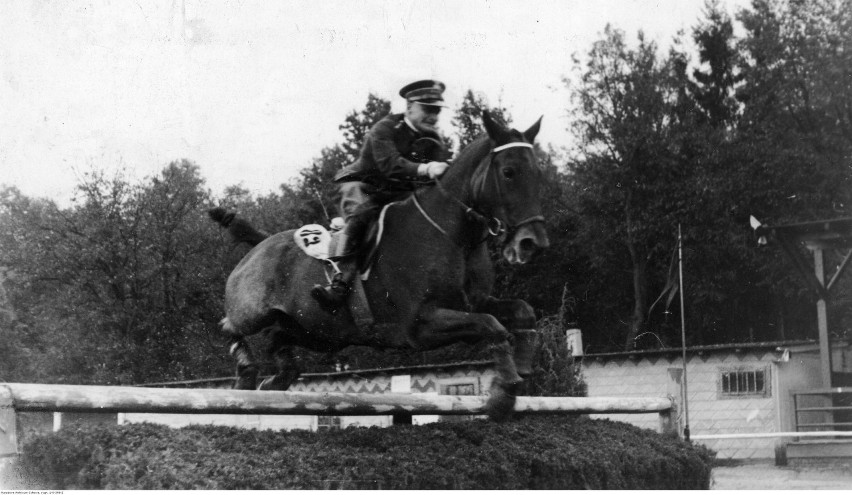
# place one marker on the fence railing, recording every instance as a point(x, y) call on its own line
point(823, 409)
point(24, 397)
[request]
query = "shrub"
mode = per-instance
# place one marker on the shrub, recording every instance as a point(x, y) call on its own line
point(556, 373)
point(526, 453)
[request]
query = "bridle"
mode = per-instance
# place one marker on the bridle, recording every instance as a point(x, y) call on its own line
point(494, 225)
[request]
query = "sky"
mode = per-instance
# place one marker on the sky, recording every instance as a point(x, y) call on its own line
point(252, 91)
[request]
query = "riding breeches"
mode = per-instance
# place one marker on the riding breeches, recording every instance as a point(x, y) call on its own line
point(360, 206)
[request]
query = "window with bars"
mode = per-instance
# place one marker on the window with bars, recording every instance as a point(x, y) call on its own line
point(458, 386)
point(328, 423)
point(459, 389)
point(744, 382)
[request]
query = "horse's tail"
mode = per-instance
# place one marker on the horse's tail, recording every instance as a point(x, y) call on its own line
point(238, 228)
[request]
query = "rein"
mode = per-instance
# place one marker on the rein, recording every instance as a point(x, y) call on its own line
point(494, 225)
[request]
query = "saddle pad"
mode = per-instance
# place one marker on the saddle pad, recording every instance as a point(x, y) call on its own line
point(314, 240)
point(375, 239)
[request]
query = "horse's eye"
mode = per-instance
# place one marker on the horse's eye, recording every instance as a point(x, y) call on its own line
point(509, 173)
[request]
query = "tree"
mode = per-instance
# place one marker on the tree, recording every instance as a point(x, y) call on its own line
point(631, 182)
point(713, 87)
point(797, 98)
point(118, 287)
point(468, 117)
point(357, 124)
point(794, 138)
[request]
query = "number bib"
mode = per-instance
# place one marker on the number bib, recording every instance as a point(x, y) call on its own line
point(314, 240)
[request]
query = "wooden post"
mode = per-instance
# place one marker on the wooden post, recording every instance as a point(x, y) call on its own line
point(403, 419)
point(780, 452)
point(669, 420)
point(675, 392)
point(8, 424)
point(822, 321)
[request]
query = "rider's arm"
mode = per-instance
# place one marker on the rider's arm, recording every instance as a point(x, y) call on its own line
point(386, 157)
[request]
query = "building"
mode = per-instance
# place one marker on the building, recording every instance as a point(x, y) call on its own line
point(750, 388)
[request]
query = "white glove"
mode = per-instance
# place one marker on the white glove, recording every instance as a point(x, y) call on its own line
point(433, 169)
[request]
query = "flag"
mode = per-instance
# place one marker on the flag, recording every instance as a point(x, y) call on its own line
point(670, 290)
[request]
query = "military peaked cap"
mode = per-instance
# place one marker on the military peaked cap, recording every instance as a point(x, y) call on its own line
point(426, 92)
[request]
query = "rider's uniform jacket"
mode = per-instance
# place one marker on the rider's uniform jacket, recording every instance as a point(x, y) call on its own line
point(388, 153)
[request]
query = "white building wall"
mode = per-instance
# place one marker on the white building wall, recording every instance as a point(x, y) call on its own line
point(248, 421)
point(709, 412)
point(627, 378)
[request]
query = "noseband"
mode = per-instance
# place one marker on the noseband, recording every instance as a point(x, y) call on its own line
point(494, 225)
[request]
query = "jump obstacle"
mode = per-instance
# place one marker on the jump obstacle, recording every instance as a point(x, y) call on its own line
point(26, 397)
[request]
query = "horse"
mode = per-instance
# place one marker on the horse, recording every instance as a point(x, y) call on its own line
point(429, 284)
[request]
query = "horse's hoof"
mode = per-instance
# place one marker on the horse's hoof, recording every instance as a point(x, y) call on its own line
point(268, 384)
point(501, 403)
point(244, 384)
point(246, 380)
point(280, 382)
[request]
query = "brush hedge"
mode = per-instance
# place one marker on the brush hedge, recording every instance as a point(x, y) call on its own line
point(526, 453)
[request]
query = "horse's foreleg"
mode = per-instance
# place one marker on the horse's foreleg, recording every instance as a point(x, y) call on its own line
point(519, 319)
point(445, 326)
point(516, 315)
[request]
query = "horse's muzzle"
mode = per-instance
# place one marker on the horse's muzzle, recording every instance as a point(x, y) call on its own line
point(527, 239)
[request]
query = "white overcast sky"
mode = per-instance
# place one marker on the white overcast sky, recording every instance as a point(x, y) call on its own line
point(252, 90)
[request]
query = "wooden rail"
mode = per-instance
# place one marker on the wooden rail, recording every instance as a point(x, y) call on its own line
point(772, 434)
point(23, 397)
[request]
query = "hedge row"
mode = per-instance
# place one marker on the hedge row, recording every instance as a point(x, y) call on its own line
point(528, 453)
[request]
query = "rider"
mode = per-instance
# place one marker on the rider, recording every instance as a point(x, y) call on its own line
point(386, 171)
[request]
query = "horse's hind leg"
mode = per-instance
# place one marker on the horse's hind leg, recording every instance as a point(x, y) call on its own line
point(285, 363)
point(247, 370)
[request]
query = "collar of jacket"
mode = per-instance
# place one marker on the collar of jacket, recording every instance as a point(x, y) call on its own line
point(410, 125)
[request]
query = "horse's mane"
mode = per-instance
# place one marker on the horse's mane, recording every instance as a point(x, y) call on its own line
point(478, 148)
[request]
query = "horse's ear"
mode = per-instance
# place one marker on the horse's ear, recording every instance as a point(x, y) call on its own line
point(495, 130)
point(532, 132)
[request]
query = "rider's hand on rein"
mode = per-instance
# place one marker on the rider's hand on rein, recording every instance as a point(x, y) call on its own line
point(433, 169)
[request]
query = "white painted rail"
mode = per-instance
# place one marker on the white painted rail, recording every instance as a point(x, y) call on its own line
point(91, 398)
point(28, 397)
point(773, 434)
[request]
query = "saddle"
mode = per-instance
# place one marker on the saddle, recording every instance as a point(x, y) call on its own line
point(317, 242)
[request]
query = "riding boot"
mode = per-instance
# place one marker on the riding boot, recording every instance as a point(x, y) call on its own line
point(335, 293)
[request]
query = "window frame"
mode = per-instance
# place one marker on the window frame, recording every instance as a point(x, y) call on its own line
point(445, 383)
point(334, 423)
point(746, 382)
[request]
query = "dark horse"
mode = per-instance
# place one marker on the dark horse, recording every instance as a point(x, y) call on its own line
point(431, 280)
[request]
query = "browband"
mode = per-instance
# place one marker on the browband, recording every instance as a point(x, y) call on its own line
point(518, 144)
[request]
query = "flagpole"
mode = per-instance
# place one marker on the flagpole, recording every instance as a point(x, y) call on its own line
point(683, 333)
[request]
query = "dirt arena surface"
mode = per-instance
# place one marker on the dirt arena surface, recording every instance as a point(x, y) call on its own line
point(765, 475)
